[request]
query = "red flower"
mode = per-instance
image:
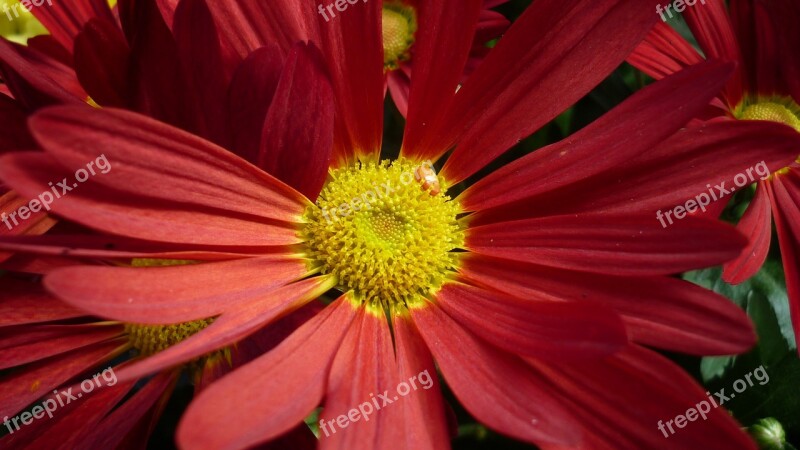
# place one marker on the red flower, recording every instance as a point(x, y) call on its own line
point(762, 38)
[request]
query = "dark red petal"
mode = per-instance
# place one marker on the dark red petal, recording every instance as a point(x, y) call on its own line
point(232, 326)
point(490, 383)
point(113, 429)
point(22, 387)
point(785, 198)
point(628, 396)
point(532, 327)
point(25, 344)
point(201, 58)
point(664, 52)
point(399, 85)
point(249, 97)
point(756, 225)
point(658, 311)
point(64, 20)
point(26, 302)
point(15, 134)
point(353, 47)
point(173, 294)
point(14, 225)
point(442, 45)
point(713, 30)
point(297, 136)
point(102, 63)
point(530, 77)
point(38, 80)
point(278, 390)
point(606, 143)
point(616, 244)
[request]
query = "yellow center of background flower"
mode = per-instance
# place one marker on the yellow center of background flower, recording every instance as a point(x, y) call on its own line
point(399, 25)
point(382, 235)
point(151, 339)
point(783, 111)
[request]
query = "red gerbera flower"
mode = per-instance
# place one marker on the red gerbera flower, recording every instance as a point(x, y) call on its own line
point(762, 38)
point(533, 289)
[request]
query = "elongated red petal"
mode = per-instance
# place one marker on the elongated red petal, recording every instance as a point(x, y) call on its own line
point(443, 43)
point(756, 224)
point(544, 329)
point(615, 244)
point(36, 380)
point(648, 391)
point(33, 343)
point(299, 124)
point(65, 20)
point(113, 429)
point(353, 47)
point(173, 294)
point(102, 63)
point(664, 52)
point(278, 390)
point(530, 77)
point(359, 373)
point(424, 418)
point(606, 143)
point(231, 327)
point(26, 302)
point(658, 311)
point(785, 197)
point(490, 382)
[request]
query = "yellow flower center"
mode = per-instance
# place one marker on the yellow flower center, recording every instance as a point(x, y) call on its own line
point(151, 339)
point(399, 25)
point(783, 111)
point(387, 231)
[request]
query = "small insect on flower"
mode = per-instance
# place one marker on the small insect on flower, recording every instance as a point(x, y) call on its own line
point(429, 179)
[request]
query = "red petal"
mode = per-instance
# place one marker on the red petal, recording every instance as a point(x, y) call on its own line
point(530, 67)
point(114, 428)
point(174, 294)
point(442, 45)
point(102, 63)
point(363, 367)
point(785, 198)
point(627, 397)
point(25, 302)
point(490, 383)
point(712, 28)
point(425, 422)
point(249, 97)
point(545, 329)
point(22, 387)
point(615, 244)
point(278, 390)
point(664, 52)
point(353, 49)
point(25, 344)
point(658, 311)
point(606, 143)
point(64, 21)
point(299, 124)
point(231, 326)
point(756, 224)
